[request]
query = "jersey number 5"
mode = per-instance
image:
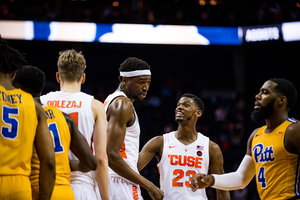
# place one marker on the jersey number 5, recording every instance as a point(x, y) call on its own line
point(179, 173)
point(10, 131)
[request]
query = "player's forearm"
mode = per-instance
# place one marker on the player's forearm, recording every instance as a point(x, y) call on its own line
point(46, 180)
point(102, 179)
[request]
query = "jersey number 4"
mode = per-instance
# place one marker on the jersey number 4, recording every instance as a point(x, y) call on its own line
point(9, 129)
point(179, 173)
point(261, 177)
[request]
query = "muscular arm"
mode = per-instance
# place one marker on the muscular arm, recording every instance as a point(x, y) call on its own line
point(216, 167)
point(238, 179)
point(119, 114)
point(292, 138)
point(152, 148)
point(80, 148)
point(45, 151)
point(100, 140)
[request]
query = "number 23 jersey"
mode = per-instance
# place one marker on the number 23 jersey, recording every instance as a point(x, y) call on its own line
point(179, 163)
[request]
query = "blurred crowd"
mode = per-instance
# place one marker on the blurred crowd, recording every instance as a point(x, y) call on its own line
point(179, 12)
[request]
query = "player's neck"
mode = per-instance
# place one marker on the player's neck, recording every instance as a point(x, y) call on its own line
point(275, 121)
point(186, 134)
point(70, 87)
point(5, 81)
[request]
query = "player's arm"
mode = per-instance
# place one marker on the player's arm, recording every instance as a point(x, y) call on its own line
point(45, 151)
point(292, 138)
point(80, 148)
point(100, 142)
point(216, 167)
point(238, 179)
point(152, 148)
point(120, 113)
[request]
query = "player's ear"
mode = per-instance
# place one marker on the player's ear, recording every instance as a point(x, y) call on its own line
point(83, 78)
point(57, 77)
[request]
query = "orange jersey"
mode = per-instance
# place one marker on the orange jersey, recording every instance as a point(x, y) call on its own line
point(276, 169)
point(18, 128)
point(61, 136)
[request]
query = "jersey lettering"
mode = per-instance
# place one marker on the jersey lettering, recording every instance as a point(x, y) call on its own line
point(263, 155)
point(122, 151)
point(58, 148)
point(10, 98)
point(179, 173)
point(10, 131)
point(189, 161)
point(65, 104)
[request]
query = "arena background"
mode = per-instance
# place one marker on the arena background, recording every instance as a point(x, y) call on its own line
point(226, 78)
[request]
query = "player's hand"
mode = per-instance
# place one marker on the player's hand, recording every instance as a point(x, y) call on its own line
point(156, 193)
point(202, 181)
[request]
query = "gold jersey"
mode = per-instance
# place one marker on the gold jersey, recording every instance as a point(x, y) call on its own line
point(18, 122)
point(276, 169)
point(61, 136)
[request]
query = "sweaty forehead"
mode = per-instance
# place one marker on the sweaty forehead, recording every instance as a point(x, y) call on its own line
point(186, 100)
point(269, 85)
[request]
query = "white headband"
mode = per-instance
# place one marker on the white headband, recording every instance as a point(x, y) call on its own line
point(135, 73)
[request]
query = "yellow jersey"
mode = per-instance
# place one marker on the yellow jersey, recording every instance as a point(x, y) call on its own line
point(276, 169)
point(61, 136)
point(18, 122)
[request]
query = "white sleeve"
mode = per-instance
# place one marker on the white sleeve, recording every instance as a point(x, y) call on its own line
point(238, 179)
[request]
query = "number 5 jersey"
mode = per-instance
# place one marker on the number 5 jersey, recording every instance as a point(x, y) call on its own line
point(179, 163)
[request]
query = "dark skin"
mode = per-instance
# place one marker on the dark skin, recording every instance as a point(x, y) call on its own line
point(186, 114)
point(120, 114)
point(280, 114)
point(43, 144)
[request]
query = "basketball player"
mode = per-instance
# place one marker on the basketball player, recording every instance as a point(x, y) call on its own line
point(123, 132)
point(89, 115)
point(65, 136)
point(23, 125)
point(272, 151)
point(183, 153)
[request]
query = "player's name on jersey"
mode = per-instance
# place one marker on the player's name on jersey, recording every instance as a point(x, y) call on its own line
point(65, 104)
point(49, 114)
point(10, 98)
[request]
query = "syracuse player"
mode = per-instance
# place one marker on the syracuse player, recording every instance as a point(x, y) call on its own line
point(183, 153)
point(65, 136)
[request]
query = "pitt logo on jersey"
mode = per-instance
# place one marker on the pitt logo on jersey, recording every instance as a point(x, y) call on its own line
point(262, 154)
point(189, 161)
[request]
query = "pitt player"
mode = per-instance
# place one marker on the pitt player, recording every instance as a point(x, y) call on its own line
point(65, 136)
point(183, 153)
point(23, 125)
point(272, 151)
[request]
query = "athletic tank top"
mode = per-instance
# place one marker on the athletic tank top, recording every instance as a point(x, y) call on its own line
point(179, 163)
point(18, 124)
point(78, 106)
point(61, 136)
point(130, 148)
point(276, 169)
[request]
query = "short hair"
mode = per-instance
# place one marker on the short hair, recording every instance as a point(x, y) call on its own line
point(133, 63)
point(10, 58)
point(71, 65)
point(199, 103)
point(286, 88)
point(30, 79)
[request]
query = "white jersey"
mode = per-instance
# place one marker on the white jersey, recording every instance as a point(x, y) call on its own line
point(78, 106)
point(130, 148)
point(179, 163)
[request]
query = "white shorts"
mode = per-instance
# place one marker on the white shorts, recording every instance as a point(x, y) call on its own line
point(120, 189)
point(85, 191)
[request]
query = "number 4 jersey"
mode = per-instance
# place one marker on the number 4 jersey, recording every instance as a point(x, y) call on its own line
point(277, 175)
point(179, 163)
